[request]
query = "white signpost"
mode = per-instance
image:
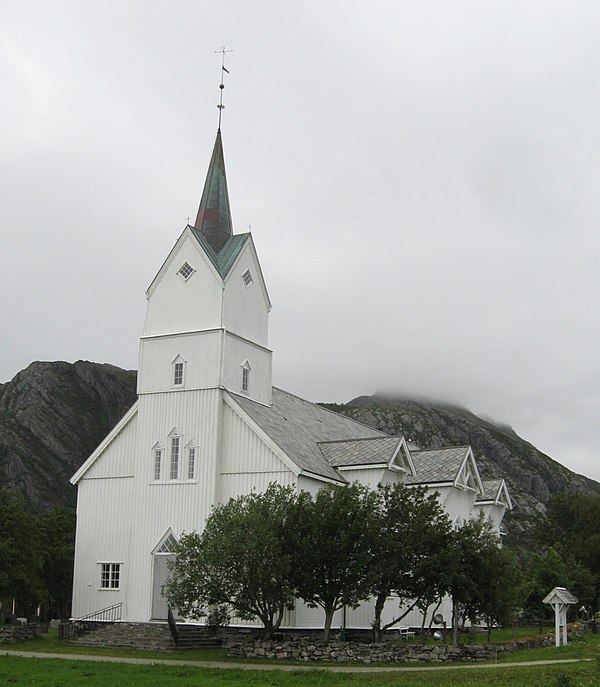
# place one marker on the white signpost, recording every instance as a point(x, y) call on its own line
point(560, 598)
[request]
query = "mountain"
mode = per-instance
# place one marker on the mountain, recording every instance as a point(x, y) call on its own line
point(532, 476)
point(52, 416)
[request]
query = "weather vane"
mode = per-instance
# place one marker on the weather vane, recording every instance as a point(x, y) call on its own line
point(222, 85)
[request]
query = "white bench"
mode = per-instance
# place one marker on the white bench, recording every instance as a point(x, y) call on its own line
point(406, 632)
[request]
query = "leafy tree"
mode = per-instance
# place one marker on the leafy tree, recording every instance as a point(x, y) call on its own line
point(552, 569)
point(475, 576)
point(543, 572)
point(57, 535)
point(20, 552)
point(242, 559)
point(498, 598)
point(572, 527)
point(333, 538)
point(410, 539)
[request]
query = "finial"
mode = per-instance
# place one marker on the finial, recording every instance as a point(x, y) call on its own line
point(222, 85)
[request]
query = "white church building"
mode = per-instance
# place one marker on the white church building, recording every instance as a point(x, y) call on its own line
point(208, 426)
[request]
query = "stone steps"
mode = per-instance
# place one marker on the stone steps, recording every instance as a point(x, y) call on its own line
point(151, 636)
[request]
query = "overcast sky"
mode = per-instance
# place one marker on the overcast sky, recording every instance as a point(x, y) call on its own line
point(421, 179)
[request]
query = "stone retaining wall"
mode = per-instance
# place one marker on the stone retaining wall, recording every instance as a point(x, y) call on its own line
point(152, 636)
point(398, 651)
point(9, 634)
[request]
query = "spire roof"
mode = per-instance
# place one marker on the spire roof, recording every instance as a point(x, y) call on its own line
point(214, 213)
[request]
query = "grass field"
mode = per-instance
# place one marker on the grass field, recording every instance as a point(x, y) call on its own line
point(40, 672)
point(65, 673)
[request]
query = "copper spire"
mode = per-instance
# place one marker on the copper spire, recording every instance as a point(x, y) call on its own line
point(214, 213)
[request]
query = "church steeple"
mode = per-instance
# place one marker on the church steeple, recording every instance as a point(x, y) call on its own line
point(214, 213)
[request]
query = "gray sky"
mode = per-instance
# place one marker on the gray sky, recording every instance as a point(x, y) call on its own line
point(421, 179)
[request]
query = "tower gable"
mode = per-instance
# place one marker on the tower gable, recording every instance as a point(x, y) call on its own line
point(186, 294)
point(246, 302)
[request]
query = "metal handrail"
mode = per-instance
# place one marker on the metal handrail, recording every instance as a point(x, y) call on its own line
point(90, 622)
point(110, 614)
point(173, 625)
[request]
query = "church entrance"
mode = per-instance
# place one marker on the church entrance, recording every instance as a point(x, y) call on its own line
point(161, 556)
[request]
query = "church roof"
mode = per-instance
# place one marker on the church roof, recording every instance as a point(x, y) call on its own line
point(491, 487)
point(437, 465)
point(370, 451)
point(224, 260)
point(495, 491)
point(297, 426)
point(214, 213)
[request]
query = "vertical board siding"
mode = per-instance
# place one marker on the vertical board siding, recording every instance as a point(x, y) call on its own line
point(118, 459)
point(247, 462)
point(103, 534)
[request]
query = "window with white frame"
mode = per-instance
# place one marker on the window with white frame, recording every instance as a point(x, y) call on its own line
point(168, 545)
point(158, 455)
point(178, 374)
point(110, 575)
point(174, 468)
point(246, 376)
point(186, 271)
point(191, 465)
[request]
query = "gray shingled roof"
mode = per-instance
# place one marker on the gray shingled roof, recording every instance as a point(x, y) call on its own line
point(297, 426)
point(360, 451)
point(490, 489)
point(437, 465)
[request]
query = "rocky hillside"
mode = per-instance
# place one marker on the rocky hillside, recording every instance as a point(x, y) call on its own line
point(531, 475)
point(52, 416)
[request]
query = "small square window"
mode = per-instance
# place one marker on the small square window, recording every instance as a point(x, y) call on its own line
point(247, 277)
point(186, 271)
point(110, 575)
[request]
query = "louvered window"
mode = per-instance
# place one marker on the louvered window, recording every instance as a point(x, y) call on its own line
point(186, 271)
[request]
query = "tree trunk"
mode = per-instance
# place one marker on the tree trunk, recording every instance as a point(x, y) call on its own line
point(267, 629)
point(329, 611)
point(379, 604)
point(455, 610)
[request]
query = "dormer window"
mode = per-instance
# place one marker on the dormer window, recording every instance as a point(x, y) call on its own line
point(247, 277)
point(186, 271)
point(246, 376)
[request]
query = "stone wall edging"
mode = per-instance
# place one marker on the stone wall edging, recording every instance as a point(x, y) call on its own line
point(395, 651)
point(9, 634)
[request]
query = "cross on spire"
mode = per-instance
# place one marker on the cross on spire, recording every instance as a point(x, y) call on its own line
point(222, 85)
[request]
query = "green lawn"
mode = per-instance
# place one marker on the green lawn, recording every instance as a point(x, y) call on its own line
point(64, 673)
point(57, 672)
